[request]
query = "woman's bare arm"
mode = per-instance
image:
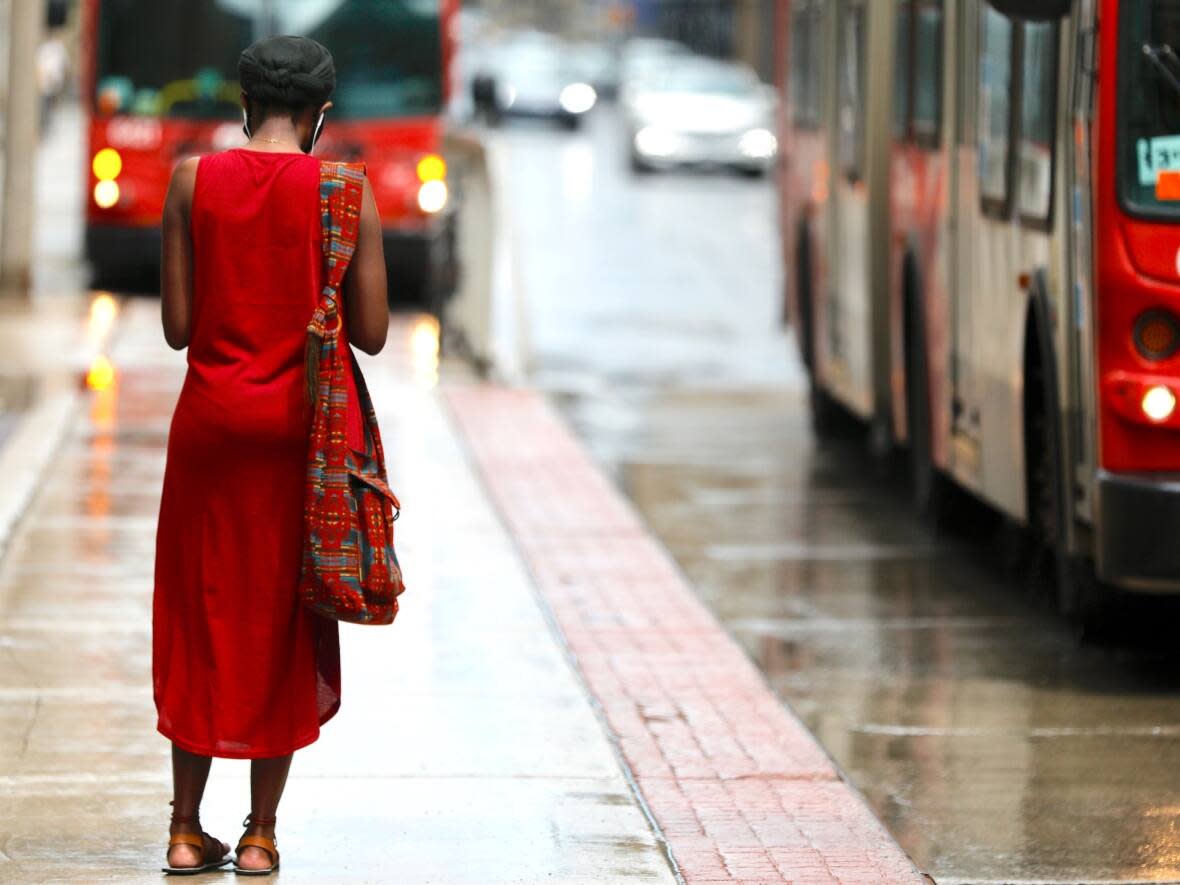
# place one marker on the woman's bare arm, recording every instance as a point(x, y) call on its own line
point(176, 264)
point(366, 300)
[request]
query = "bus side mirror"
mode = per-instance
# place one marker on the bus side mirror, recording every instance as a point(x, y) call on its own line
point(1033, 10)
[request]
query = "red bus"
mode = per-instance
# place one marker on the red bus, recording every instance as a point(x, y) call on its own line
point(983, 255)
point(161, 78)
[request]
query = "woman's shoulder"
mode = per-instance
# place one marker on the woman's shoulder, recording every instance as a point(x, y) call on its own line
point(184, 177)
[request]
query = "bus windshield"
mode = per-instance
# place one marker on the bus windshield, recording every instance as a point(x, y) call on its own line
point(180, 59)
point(1149, 107)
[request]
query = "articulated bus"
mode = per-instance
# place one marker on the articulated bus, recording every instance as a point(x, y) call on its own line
point(980, 207)
point(161, 77)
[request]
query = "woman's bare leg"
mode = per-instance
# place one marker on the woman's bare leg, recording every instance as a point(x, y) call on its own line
point(268, 777)
point(190, 773)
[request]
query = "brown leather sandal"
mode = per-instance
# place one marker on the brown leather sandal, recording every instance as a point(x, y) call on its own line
point(213, 852)
point(267, 845)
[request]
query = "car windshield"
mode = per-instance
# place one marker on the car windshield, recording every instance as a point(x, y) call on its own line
point(701, 80)
point(180, 59)
point(533, 66)
point(1149, 108)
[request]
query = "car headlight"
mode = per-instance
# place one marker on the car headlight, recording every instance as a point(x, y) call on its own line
point(577, 98)
point(758, 144)
point(653, 141)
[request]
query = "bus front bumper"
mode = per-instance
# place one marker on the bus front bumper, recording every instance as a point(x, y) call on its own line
point(118, 248)
point(1138, 520)
point(422, 264)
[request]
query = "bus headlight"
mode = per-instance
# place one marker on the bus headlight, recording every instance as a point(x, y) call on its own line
point(106, 194)
point(1158, 403)
point(577, 98)
point(432, 167)
point(107, 164)
point(432, 196)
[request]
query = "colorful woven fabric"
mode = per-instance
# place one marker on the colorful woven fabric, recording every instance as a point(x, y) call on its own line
point(350, 569)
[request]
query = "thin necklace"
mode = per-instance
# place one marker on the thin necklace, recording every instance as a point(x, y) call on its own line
point(268, 140)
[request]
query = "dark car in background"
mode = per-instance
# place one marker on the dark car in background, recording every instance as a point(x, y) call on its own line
point(533, 75)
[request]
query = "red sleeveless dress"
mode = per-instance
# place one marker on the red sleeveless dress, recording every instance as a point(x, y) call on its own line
point(240, 668)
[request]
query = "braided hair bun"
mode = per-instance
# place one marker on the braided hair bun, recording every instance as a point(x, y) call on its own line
point(287, 72)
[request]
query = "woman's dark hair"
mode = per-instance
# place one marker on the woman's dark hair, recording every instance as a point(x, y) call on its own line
point(286, 73)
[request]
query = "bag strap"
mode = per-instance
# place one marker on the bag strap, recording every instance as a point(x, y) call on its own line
point(342, 185)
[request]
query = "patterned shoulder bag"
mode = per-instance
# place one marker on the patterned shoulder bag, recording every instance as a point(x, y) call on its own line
point(350, 571)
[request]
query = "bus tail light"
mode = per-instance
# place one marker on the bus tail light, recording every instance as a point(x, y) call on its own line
point(1157, 335)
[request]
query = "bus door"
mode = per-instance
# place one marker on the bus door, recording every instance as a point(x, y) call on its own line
point(849, 318)
point(987, 245)
point(1003, 230)
point(964, 194)
point(1083, 415)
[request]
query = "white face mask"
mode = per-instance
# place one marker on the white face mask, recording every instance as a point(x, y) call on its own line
point(314, 135)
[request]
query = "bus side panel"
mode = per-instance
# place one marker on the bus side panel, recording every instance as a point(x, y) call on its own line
point(848, 303)
point(920, 206)
point(803, 185)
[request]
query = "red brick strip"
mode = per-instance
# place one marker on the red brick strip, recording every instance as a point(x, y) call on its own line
point(737, 786)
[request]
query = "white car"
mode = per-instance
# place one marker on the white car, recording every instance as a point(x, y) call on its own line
point(533, 76)
point(641, 55)
point(700, 111)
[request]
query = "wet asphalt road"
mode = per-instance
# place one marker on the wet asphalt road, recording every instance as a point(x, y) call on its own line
point(993, 744)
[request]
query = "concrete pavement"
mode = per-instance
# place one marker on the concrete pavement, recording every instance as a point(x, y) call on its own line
point(492, 734)
point(465, 751)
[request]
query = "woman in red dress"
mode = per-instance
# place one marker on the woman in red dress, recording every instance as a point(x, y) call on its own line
point(240, 668)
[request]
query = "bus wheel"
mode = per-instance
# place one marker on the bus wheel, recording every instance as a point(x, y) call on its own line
point(928, 487)
point(828, 418)
point(1073, 587)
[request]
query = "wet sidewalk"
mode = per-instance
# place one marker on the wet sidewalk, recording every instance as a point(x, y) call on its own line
point(552, 705)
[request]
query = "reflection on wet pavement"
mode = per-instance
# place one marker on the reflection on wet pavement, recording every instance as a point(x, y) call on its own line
point(466, 749)
point(994, 746)
point(991, 743)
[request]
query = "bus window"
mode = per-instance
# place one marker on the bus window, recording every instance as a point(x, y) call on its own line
point(1149, 108)
point(1037, 110)
point(801, 64)
point(966, 50)
point(180, 59)
point(804, 63)
point(850, 96)
point(928, 74)
point(816, 77)
point(995, 111)
point(901, 73)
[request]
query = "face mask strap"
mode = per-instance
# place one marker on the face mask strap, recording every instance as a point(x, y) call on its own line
point(316, 134)
point(246, 123)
